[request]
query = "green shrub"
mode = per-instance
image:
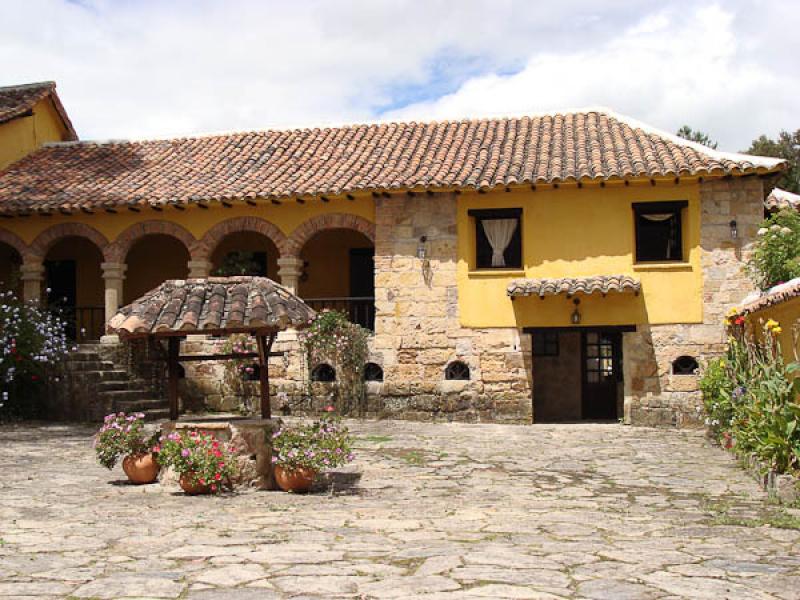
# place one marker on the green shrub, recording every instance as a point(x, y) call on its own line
point(776, 251)
point(751, 399)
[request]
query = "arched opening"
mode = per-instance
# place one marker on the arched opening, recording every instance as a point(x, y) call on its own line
point(152, 260)
point(457, 370)
point(339, 274)
point(74, 286)
point(373, 372)
point(685, 365)
point(323, 373)
point(10, 263)
point(245, 253)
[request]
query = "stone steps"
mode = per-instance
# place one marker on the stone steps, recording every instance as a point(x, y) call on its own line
point(113, 387)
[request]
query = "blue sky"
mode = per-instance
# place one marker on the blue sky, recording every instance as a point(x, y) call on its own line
point(147, 68)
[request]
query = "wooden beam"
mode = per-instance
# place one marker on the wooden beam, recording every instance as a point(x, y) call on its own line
point(173, 351)
point(264, 348)
point(233, 356)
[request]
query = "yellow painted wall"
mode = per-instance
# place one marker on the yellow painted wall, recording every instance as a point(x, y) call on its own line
point(22, 136)
point(328, 257)
point(151, 261)
point(787, 314)
point(287, 217)
point(574, 232)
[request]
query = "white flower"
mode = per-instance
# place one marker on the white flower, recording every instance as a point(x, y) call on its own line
point(786, 231)
point(762, 231)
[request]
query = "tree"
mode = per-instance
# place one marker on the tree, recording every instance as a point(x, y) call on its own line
point(787, 147)
point(690, 134)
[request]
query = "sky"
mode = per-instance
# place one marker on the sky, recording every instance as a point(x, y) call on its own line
point(133, 69)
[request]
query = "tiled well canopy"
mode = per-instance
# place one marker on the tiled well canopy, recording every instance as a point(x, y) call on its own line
point(602, 284)
point(217, 306)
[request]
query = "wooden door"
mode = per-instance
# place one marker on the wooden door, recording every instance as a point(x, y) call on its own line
point(602, 372)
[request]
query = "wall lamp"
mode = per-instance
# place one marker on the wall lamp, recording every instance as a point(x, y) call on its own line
point(734, 229)
point(422, 249)
point(576, 314)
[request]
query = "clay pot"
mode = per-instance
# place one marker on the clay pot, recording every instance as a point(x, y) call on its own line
point(141, 468)
point(296, 480)
point(191, 487)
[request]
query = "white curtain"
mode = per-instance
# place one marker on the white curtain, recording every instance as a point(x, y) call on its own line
point(499, 232)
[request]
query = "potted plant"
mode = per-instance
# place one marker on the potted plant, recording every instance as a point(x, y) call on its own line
point(300, 453)
point(123, 435)
point(203, 463)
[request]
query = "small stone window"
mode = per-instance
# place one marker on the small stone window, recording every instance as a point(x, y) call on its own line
point(457, 370)
point(685, 365)
point(373, 372)
point(323, 373)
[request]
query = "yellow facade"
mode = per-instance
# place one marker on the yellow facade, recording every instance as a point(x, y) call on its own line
point(787, 314)
point(581, 232)
point(23, 135)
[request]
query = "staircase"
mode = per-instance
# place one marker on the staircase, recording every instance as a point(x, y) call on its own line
point(99, 386)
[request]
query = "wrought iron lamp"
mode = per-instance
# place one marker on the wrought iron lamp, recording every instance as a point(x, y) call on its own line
point(734, 229)
point(576, 314)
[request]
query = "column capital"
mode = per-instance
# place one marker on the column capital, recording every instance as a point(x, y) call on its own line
point(290, 265)
point(32, 271)
point(113, 270)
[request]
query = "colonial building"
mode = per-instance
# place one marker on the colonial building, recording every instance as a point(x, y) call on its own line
point(557, 267)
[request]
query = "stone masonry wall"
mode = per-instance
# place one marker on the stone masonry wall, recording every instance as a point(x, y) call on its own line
point(653, 395)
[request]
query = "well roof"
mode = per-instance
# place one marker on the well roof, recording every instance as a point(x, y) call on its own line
point(216, 306)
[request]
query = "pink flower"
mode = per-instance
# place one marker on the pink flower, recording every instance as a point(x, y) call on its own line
point(184, 453)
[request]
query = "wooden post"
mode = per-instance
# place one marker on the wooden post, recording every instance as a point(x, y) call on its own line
point(173, 350)
point(264, 347)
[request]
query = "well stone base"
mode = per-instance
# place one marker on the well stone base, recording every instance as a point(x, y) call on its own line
point(251, 438)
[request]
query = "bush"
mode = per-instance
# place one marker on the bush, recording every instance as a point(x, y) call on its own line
point(322, 445)
point(199, 456)
point(751, 400)
point(775, 255)
point(33, 342)
point(119, 436)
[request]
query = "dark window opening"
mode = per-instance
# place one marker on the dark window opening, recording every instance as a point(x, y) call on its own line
point(457, 370)
point(243, 262)
point(323, 373)
point(498, 238)
point(251, 372)
point(684, 365)
point(659, 236)
point(373, 372)
point(545, 343)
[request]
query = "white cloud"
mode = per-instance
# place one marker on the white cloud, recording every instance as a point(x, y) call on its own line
point(672, 68)
point(156, 68)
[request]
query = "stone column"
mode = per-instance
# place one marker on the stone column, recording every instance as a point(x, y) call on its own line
point(199, 268)
point(113, 276)
point(290, 268)
point(32, 276)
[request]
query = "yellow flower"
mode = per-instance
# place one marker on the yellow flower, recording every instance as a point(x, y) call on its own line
point(732, 311)
point(776, 330)
point(722, 363)
point(771, 324)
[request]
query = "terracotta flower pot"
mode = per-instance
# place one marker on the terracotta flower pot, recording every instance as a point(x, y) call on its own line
point(298, 480)
point(192, 487)
point(141, 468)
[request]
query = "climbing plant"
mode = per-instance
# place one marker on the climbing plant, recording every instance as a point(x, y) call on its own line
point(333, 339)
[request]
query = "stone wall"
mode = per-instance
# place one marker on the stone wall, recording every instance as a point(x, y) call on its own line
point(653, 395)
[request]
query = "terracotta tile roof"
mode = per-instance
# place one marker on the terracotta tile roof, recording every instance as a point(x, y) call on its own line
point(19, 100)
point(570, 286)
point(482, 154)
point(215, 305)
point(779, 199)
point(776, 295)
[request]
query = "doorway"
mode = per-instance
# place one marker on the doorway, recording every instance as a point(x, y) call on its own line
point(577, 373)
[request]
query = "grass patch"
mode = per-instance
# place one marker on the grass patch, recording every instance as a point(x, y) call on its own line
point(376, 439)
point(778, 518)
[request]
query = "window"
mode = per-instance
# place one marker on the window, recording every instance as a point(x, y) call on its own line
point(373, 372)
point(685, 365)
point(324, 373)
point(545, 343)
point(658, 231)
point(498, 238)
point(457, 370)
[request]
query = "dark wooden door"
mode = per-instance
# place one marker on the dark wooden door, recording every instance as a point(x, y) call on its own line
point(62, 291)
point(602, 372)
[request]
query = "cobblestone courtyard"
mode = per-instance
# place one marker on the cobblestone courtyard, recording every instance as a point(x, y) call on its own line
point(429, 511)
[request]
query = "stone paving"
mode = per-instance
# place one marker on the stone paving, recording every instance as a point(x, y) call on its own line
point(427, 511)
